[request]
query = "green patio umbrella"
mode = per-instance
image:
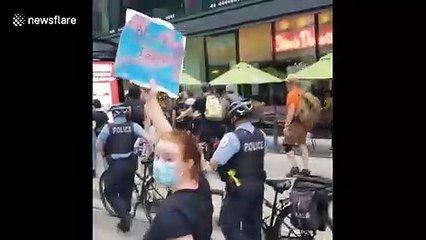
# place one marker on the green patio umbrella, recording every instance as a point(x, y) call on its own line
point(323, 69)
point(244, 73)
point(186, 79)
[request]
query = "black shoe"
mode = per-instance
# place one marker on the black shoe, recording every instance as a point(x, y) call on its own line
point(305, 172)
point(293, 171)
point(124, 224)
point(94, 174)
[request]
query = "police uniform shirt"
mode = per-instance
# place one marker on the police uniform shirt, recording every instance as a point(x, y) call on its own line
point(138, 131)
point(230, 144)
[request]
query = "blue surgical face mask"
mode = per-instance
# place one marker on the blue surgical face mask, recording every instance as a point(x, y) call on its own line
point(165, 172)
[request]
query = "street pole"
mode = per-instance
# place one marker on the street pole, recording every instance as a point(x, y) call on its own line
point(272, 93)
point(276, 129)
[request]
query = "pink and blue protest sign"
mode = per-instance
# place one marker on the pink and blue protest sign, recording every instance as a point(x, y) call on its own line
point(150, 49)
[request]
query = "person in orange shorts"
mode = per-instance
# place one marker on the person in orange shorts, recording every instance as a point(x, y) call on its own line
point(294, 132)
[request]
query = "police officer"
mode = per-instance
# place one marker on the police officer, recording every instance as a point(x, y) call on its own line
point(239, 161)
point(116, 144)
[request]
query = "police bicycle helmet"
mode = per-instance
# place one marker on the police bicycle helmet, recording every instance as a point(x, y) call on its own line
point(119, 110)
point(240, 108)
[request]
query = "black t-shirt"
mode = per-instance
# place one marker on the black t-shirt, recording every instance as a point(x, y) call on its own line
point(101, 118)
point(185, 212)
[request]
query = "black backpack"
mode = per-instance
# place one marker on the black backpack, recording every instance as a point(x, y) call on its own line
point(309, 203)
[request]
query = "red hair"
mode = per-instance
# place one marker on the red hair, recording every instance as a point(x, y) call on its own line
point(188, 147)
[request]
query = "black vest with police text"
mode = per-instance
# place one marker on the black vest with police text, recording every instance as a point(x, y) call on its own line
point(248, 162)
point(121, 138)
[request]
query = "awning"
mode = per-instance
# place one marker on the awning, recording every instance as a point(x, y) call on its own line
point(244, 73)
point(186, 79)
point(323, 69)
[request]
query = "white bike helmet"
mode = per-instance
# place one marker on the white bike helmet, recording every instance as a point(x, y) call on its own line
point(240, 108)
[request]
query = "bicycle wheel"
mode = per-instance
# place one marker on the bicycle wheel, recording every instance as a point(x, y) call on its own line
point(286, 231)
point(105, 202)
point(151, 198)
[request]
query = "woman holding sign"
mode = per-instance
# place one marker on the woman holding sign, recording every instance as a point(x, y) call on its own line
point(187, 213)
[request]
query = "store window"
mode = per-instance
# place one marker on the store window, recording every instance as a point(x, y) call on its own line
point(100, 23)
point(255, 47)
point(194, 61)
point(221, 54)
point(325, 32)
point(107, 15)
point(255, 43)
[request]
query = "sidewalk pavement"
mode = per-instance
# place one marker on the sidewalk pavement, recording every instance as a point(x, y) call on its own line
point(322, 148)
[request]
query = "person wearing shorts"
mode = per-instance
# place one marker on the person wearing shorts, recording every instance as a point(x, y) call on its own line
point(294, 132)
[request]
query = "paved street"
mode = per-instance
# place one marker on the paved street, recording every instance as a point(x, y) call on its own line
point(276, 166)
point(104, 227)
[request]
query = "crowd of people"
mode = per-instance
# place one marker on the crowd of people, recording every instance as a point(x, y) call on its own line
point(179, 164)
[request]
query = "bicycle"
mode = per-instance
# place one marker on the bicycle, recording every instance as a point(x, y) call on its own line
point(148, 195)
point(273, 224)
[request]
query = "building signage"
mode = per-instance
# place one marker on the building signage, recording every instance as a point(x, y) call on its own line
point(301, 39)
point(103, 71)
point(222, 3)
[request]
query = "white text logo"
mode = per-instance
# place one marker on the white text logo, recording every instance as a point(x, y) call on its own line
point(20, 20)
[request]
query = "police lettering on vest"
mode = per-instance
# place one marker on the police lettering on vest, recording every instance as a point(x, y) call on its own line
point(121, 138)
point(253, 146)
point(121, 129)
point(248, 162)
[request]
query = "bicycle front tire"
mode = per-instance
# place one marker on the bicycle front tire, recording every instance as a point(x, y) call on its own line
point(279, 222)
point(151, 198)
point(105, 202)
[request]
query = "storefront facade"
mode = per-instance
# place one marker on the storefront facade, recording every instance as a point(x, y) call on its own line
point(278, 36)
point(280, 47)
